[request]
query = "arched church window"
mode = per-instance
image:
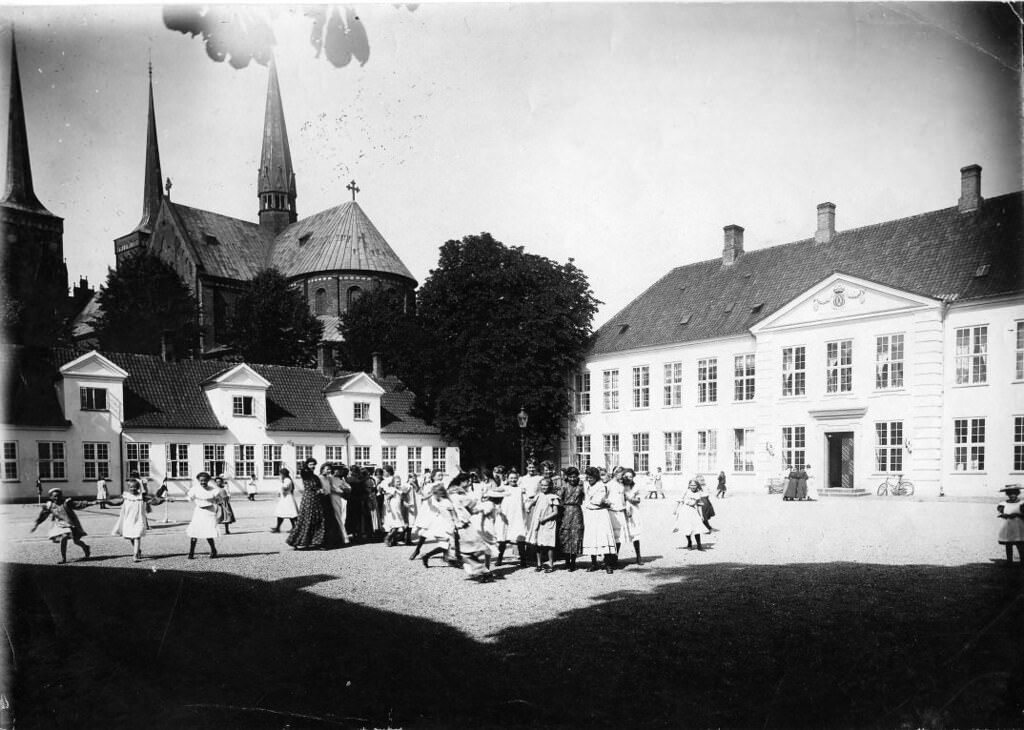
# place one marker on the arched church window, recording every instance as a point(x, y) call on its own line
point(320, 301)
point(354, 295)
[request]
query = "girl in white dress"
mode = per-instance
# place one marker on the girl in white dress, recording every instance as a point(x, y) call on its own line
point(132, 523)
point(286, 508)
point(1011, 529)
point(204, 518)
point(513, 512)
point(598, 536)
point(393, 494)
point(442, 526)
point(333, 478)
point(632, 497)
point(689, 519)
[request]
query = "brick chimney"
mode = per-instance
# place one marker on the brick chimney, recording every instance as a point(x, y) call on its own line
point(970, 188)
point(733, 246)
point(378, 365)
point(826, 223)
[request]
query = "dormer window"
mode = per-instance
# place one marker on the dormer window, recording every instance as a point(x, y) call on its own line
point(93, 399)
point(241, 405)
point(361, 411)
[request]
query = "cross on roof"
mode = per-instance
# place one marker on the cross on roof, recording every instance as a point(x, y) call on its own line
point(167, 186)
point(352, 186)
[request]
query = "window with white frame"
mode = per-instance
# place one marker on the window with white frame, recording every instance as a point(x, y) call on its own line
point(839, 366)
point(641, 452)
point(1018, 443)
point(610, 391)
point(93, 399)
point(137, 456)
point(743, 449)
point(642, 387)
point(96, 459)
point(972, 355)
point(673, 384)
point(888, 362)
point(582, 392)
point(213, 459)
point(673, 452)
point(794, 370)
point(272, 460)
point(437, 458)
point(414, 456)
point(611, 450)
point(969, 444)
point(361, 411)
point(10, 473)
point(177, 461)
point(303, 452)
point(794, 447)
point(361, 456)
point(744, 377)
point(707, 450)
point(245, 461)
point(334, 454)
point(389, 456)
point(889, 446)
point(242, 405)
point(52, 460)
point(583, 451)
point(707, 380)
point(1019, 370)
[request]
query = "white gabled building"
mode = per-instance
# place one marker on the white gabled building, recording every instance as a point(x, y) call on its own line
point(892, 348)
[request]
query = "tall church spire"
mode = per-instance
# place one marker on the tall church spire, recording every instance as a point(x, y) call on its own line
point(19, 191)
point(276, 186)
point(152, 192)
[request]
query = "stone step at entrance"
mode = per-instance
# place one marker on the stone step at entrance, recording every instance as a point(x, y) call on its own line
point(839, 492)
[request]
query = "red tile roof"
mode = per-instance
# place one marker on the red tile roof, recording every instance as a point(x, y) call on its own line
point(227, 247)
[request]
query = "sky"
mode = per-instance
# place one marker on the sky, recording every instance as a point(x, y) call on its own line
point(624, 136)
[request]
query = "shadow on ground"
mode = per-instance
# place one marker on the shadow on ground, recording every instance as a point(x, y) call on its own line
point(792, 646)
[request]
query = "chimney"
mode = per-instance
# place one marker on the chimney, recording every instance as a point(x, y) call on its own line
point(826, 223)
point(378, 365)
point(733, 247)
point(970, 188)
point(325, 360)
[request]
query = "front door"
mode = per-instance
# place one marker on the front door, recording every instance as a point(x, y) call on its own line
point(840, 460)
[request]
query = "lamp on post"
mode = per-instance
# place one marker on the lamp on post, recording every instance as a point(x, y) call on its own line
point(524, 418)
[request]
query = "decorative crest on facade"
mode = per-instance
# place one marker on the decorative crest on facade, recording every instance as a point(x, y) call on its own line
point(839, 296)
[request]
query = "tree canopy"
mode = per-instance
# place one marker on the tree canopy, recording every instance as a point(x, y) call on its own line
point(381, 322)
point(143, 302)
point(272, 323)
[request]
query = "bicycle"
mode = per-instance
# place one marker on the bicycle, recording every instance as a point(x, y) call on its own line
point(900, 488)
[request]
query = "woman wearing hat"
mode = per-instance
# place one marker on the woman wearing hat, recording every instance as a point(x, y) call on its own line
point(204, 516)
point(1011, 531)
point(310, 530)
point(66, 525)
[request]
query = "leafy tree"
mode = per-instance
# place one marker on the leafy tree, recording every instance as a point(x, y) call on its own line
point(381, 322)
point(143, 301)
point(273, 324)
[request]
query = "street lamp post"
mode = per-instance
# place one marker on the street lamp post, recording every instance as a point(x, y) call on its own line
point(523, 418)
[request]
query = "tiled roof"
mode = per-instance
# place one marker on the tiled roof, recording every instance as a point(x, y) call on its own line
point(227, 247)
point(338, 239)
point(937, 254)
point(81, 326)
point(331, 332)
point(396, 409)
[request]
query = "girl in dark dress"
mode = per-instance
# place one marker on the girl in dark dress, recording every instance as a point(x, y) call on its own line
point(570, 531)
point(66, 525)
point(310, 530)
point(358, 522)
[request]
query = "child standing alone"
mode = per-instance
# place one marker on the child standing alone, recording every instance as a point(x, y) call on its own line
point(1011, 531)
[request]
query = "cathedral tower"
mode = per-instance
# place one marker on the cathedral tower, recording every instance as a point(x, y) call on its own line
point(276, 186)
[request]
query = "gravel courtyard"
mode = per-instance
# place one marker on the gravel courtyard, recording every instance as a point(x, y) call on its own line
point(871, 612)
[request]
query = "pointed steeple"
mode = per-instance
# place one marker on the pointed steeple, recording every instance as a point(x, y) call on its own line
point(19, 191)
point(151, 192)
point(276, 186)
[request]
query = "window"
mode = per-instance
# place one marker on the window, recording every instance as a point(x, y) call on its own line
point(241, 405)
point(742, 449)
point(582, 393)
point(1018, 444)
point(52, 463)
point(361, 456)
point(389, 456)
point(361, 411)
point(611, 450)
point(888, 362)
point(93, 399)
point(673, 452)
point(707, 380)
point(10, 461)
point(582, 452)
point(354, 295)
point(437, 458)
point(707, 451)
point(641, 452)
point(673, 384)
point(334, 454)
point(302, 453)
point(744, 377)
point(96, 458)
point(213, 459)
point(610, 381)
point(969, 444)
point(1020, 351)
point(972, 355)
point(794, 447)
point(272, 461)
point(245, 460)
point(177, 461)
point(138, 458)
point(415, 454)
point(889, 446)
point(794, 371)
point(320, 301)
point(839, 366)
point(642, 387)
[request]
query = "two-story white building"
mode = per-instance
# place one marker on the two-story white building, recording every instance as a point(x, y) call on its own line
point(70, 418)
point(862, 354)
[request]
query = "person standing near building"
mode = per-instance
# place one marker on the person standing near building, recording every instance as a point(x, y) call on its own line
point(720, 493)
point(632, 499)
point(251, 489)
point(225, 514)
point(204, 518)
point(102, 493)
point(66, 525)
point(286, 508)
point(801, 483)
point(570, 528)
point(310, 530)
point(598, 536)
point(1011, 528)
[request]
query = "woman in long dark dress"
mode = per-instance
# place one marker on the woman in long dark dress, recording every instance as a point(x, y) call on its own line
point(570, 531)
point(310, 530)
point(358, 521)
point(790, 494)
